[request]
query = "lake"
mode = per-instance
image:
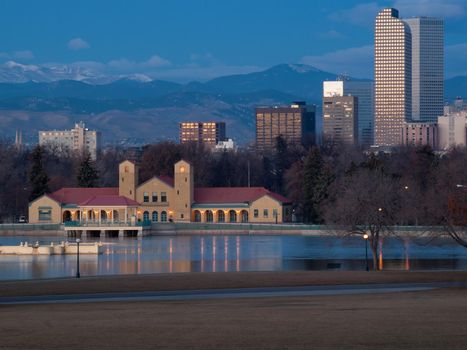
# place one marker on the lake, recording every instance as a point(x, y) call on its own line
point(195, 253)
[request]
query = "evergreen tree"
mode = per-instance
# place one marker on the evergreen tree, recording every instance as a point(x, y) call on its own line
point(37, 176)
point(87, 175)
point(316, 180)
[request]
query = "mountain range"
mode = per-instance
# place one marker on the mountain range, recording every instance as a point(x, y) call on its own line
point(34, 98)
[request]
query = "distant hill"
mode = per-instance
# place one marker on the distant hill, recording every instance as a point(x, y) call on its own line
point(455, 87)
point(149, 110)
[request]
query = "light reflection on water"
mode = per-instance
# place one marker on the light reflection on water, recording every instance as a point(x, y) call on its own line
point(165, 254)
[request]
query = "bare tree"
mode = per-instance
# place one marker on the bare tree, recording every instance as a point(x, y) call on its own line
point(365, 201)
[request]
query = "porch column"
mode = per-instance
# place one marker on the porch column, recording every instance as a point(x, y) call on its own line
point(126, 216)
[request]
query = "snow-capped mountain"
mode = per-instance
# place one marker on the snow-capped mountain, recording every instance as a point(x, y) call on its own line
point(14, 72)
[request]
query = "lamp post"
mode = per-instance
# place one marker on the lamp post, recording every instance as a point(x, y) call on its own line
point(77, 258)
point(365, 237)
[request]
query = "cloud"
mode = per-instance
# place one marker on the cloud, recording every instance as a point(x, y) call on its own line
point(436, 8)
point(354, 61)
point(78, 44)
point(362, 14)
point(124, 64)
point(332, 34)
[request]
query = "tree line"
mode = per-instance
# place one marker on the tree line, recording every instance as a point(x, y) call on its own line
point(332, 184)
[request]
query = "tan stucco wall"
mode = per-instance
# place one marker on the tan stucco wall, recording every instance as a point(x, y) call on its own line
point(150, 186)
point(270, 204)
point(45, 201)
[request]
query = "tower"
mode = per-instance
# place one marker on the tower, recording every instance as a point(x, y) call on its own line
point(393, 78)
point(427, 68)
point(128, 179)
point(183, 191)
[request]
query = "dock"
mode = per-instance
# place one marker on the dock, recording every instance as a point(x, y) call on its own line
point(62, 248)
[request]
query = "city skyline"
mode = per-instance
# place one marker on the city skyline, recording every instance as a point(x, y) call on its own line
point(163, 40)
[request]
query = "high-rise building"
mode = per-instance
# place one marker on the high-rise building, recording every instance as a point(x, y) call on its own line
point(427, 68)
point(452, 130)
point(295, 123)
point(340, 119)
point(364, 91)
point(207, 133)
point(393, 78)
point(420, 134)
point(79, 139)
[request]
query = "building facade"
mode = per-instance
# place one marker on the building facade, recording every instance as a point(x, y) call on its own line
point(452, 130)
point(364, 91)
point(295, 123)
point(207, 133)
point(79, 139)
point(340, 119)
point(160, 199)
point(393, 77)
point(420, 134)
point(427, 68)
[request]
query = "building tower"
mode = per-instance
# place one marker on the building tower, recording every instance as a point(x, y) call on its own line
point(128, 179)
point(340, 119)
point(393, 78)
point(427, 68)
point(19, 140)
point(183, 191)
point(295, 123)
point(364, 91)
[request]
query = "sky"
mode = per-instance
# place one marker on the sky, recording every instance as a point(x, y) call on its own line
point(183, 40)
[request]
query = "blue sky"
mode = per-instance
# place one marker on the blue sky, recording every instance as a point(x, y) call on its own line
point(199, 39)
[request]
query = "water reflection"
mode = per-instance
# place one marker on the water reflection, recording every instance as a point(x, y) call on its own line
point(167, 254)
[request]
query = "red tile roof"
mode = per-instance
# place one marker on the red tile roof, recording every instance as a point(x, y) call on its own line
point(205, 195)
point(76, 195)
point(105, 200)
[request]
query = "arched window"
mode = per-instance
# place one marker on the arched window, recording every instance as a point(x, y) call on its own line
point(232, 216)
point(164, 216)
point(146, 216)
point(220, 216)
point(209, 216)
point(244, 216)
point(155, 216)
point(197, 216)
point(66, 216)
point(103, 215)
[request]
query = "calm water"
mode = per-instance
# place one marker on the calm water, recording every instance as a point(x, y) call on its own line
point(161, 254)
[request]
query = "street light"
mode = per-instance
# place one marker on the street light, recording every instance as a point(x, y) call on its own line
point(365, 237)
point(77, 258)
point(461, 186)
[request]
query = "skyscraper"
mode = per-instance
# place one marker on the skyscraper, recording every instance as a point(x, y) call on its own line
point(340, 119)
point(393, 78)
point(295, 123)
point(364, 91)
point(427, 68)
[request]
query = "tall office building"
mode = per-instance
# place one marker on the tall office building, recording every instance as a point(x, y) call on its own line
point(295, 123)
point(78, 139)
point(427, 68)
point(393, 78)
point(364, 91)
point(207, 133)
point(340, 119)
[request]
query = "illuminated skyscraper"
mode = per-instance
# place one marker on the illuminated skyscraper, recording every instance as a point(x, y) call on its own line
point(207, 133)
point(393, 77)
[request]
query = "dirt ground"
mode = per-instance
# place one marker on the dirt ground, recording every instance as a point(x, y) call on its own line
point(435, 319)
